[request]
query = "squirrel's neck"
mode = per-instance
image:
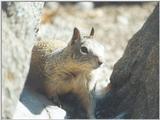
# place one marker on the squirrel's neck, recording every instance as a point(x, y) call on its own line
point(63, 67)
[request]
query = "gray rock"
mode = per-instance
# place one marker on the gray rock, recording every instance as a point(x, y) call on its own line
point(19, 23)
point(135, 77)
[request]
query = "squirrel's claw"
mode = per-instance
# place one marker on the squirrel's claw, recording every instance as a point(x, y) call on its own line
point(55, 100)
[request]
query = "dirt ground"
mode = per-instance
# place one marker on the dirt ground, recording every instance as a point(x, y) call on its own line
point(114, 23)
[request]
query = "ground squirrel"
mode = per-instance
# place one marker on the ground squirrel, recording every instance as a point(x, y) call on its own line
point(58, 68)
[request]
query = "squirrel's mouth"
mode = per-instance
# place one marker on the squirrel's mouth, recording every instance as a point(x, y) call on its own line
point(96, 66)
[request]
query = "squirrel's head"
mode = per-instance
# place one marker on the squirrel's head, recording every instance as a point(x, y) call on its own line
point(86, 49)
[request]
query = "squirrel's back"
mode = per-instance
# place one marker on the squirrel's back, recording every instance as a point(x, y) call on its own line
point(40, 51)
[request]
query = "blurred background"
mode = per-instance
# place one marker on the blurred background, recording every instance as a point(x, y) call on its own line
point(114, 23)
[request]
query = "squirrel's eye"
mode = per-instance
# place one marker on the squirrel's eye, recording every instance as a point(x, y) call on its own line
point(84, 50)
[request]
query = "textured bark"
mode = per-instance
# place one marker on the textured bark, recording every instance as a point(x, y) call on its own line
point(19, 23)
point(135, 77)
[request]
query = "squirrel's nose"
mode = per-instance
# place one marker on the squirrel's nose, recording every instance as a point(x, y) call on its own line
point(99, 62)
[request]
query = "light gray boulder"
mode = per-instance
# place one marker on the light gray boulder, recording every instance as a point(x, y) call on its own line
point(19, 23)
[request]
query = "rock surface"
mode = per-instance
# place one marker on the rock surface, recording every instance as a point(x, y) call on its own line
point(19, 21)
point(35, 106)
point(135, 77)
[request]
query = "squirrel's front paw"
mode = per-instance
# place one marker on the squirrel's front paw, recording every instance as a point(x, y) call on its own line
point(55, 100)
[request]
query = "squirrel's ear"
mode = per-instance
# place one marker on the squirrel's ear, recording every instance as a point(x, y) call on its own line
point(76, 36)
point(92, 32)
